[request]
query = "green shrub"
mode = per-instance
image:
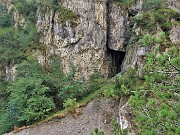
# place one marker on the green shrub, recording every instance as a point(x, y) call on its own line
point(5, 18)
point(27, 8)
point(7, 121)
point(155, 103)
point(15, 43)
point(30, 68)
point(148, 40)
point(163, 16)
point(66, 15)
point(94, 82)
point(48, 3)
point(109, 91)
point(167, 26)
point(127, 82)
point(153, 4)
point(145, 21)
point(28, 102)
point(124, 3)
point(70, 103)
point(28, 98)
point(97, 132)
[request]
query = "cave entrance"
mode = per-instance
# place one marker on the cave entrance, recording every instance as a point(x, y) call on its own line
point(117, 58)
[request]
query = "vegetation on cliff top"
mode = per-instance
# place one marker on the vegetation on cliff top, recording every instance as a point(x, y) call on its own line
point(28, 8)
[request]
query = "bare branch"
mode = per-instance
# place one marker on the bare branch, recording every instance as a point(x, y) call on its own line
point(169, 59)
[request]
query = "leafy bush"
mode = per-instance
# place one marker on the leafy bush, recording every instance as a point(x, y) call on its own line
point(30, 68)
point(28, 97)
point(94, 81)
point(5, 18)
point(14, 43)
point(155, 103)
point(124, 3)
point(148, 21)
point(127, 82)
point(149, 40)
point(145, 21)
point(109, 91)
point(27, 103)
point(70, 103)
point(27, 8)
point(66, 15)
point(153, 4)
point(97, 132)
point(163, 17)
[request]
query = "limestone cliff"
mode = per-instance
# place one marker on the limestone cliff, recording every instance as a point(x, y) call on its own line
point(97, 38)
point(109, 36)
point(99, 27)
point(83, 45)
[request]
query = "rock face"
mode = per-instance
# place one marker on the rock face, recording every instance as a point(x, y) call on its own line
point(175, 34)
point(99, 27)
point(117, 26)
point(96, 39)
point(174, 4)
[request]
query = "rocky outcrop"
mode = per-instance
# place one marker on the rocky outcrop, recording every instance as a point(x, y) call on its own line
point(8, 72)
point(174, 4)
point(84, 45)
point(117, 27)
point(96, 39)
point(175, 34)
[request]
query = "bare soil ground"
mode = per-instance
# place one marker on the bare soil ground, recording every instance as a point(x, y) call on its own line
point(96, 114)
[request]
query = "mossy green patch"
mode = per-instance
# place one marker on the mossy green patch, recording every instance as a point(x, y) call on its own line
point(66, 15)
point(123, 3)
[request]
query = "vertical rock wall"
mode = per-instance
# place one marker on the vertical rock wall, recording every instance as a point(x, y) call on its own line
point(97, 38)
point(85, 45)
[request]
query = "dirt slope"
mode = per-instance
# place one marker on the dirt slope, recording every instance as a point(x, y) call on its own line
point(97, 113)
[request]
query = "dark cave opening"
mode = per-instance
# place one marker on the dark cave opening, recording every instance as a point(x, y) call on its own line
point(178, 19)
point(117, 58)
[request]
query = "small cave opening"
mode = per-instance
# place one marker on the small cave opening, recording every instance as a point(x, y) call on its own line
point(178, 19)
point(132, 13)
point(117, 58)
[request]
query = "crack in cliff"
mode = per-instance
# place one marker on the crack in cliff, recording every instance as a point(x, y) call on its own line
point(53, 22)
point(116, 57)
